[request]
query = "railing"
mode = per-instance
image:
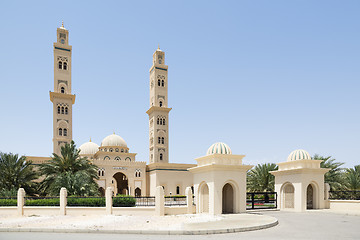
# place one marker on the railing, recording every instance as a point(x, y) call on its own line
point(261, 200)
point(175, 201)
point(344, 195)
point(145, 201)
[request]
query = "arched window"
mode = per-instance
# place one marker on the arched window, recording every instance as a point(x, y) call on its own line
point(164, 121)
point(159, 61)
point(58, 109)
point(122, 150)
point(103, 173)
point(161, 122)
point(65, 65)
point(158, 121)
point(66, 110)
point(159, 140)
point(62, 90)
point(62, 110)
point(177, 190)
point(110, 149)
point(117, 158)
point(159, 82)
point(160, 103)
point(162, 83)
point(60, 131)
point(60, 65)
point(65, 132)
point(139, 174)
point(116, 150)
point(161, 156)
point(162, 140)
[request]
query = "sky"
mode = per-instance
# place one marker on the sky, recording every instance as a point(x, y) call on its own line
point(265, 77)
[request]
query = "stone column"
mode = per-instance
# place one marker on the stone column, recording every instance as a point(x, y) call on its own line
point(189, 200)
point(20, 201)
point(159, 201)
point(108, 199)
point(63, 201)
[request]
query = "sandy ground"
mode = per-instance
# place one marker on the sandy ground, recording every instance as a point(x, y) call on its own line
point(107, 222)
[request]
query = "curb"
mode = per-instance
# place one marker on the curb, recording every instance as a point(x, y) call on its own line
point(147, 232)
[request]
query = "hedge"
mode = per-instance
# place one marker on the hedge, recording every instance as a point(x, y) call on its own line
point(121, 201)
point(8, 202)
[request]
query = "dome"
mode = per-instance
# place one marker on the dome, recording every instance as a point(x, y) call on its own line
point(219, 148)
point(299, 154)
point(113, 140)
point(89, 148)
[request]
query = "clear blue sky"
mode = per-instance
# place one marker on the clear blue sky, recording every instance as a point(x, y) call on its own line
point(265, 77)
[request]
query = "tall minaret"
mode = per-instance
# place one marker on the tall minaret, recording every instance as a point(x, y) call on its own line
point(159, 111)
point(62, 98)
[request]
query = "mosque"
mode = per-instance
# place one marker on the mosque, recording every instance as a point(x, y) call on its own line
point(218, 180)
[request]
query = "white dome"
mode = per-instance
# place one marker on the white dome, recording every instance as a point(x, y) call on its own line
point(113, 140)
point(219, 148)
point(89, 148)
point(299, 154)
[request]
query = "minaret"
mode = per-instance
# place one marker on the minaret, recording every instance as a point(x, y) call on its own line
point(159, 111)
point(62, 98)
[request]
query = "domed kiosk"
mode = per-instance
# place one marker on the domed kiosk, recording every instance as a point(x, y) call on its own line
point(300, 182)
point(220, 181)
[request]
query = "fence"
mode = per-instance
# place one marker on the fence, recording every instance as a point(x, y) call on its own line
point(145, 201)
point(344, 195)
point(261, 200)
point(175, 201)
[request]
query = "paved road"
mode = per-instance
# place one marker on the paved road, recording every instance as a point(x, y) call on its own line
point(310, 225)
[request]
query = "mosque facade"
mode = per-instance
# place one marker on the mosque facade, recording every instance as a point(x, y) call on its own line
point(218, 180)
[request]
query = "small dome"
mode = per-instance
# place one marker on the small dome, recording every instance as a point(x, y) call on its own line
point(113, 140)
point(89, 148)
point(219, 148)
point(299, 154)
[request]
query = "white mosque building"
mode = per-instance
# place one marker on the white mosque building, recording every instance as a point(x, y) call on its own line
point(218, 180)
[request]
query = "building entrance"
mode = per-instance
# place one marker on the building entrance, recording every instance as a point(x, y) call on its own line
point(121, 183)
point(310, 197)
point(227, 199)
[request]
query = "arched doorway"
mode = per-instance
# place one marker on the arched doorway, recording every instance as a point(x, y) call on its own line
point(204, 199)
point(102, 191)
point(137, 192)
point(121, 183)
point(227, 199)
point(310, 197)
point(289, 196)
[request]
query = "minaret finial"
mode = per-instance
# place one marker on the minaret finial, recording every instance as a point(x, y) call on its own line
point(90, 139)
point(62, 24)
point(113, 132)
point(159, 46)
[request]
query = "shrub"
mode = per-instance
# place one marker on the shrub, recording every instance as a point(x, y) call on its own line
point(86, 201)
point(124, 201)
point(42, 202)
point(8, 202)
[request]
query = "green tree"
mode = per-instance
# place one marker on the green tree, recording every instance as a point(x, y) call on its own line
point(352, 178)
point(259, 178)
point(335, 176)
point(16, 172)
point(71, 171)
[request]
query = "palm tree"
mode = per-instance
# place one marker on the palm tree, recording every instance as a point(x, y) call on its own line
point(352, 178)
point(16, 172)
point(259, 179)
point(335, 177)
point(69, 170)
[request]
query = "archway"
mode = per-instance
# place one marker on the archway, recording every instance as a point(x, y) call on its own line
point(227, 199)
point(289, 196)
point(137, 192)
point(121, 183)
point(204, 199)
point(102, 191)
point(310, 197)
